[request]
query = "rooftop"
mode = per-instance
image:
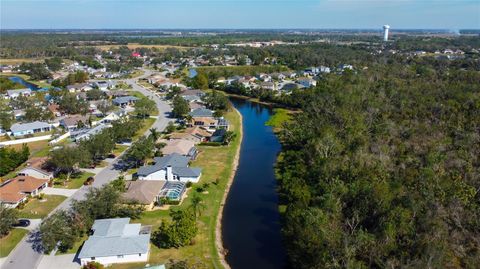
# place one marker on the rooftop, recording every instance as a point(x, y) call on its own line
point(13, 190)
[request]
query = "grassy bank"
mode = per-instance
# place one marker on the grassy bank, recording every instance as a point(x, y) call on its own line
point(279, 117)
point(218, 166)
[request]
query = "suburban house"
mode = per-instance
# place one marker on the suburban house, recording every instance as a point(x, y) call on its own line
point(124, 100)
point(19, 114)
point(201, 113)
point(307, 82)
point(12, 94)
point(195, 134)
point(95, 130)
point(218, 135)
point(116, 241)
point(16, 190)
point(20, 129)
point(72, 122)
point(35, 168)
point(181, 146)
point(55, 109)
point(145, 192)
point(149, 192)
point(170, 167)
point(79, 87)
point(268, 85)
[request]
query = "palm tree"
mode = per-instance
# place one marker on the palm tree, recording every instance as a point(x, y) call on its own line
point(197, 205)
point(154, 133)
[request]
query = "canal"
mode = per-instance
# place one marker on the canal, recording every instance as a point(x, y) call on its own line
point(251, 222)
point(20, 80)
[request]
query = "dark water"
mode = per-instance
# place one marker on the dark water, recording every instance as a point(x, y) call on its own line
point(251, 222)
point(29, 85)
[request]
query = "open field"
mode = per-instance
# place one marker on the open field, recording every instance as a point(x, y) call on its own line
point(217, 164)
point(19, 61)
point(136, 46)
point(36, 209)
point(8, 243)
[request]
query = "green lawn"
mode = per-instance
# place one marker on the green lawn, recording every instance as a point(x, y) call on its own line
point(119, 149)
point(76, 246)
point(36, 209)
point(147, 123)
point(75, 182)
point(279, 117)
point(8, 243)
point(217, 163)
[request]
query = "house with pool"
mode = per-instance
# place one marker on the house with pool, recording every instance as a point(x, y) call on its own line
point(152, 192)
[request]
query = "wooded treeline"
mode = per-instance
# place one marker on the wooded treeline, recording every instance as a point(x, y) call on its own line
point(382, 170)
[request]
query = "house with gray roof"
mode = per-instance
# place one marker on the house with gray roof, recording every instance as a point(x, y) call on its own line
point(91, 132)
point(172, 167)
point(124, 100)
point(116, 241)
point(201, 112)
point(21, 129)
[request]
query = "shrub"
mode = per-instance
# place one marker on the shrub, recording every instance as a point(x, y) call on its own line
point(93, 265)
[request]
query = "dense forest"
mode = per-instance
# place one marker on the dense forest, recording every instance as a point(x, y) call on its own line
point(382, 170)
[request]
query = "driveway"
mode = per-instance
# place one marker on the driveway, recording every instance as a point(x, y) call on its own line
point(67, 261)
point(59, 191)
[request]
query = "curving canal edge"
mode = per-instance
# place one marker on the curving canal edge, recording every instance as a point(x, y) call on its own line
point(218, 231)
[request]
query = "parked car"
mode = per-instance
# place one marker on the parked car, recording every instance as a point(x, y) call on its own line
point(89, 181)
point(112, 156)
point(22, 223)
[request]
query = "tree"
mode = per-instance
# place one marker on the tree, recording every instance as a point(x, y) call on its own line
point(99, 145)
point(140, 150)
point(229, 136)
point(6, 116)
point(119, 184)
point(216, 100)
point(94, 94)
point(177, 233)
point(36, 71)
point(54, 64)
point(67, 160)
point(155, 134)
point(170, 128)
point(58, 229)
point(8, 217)
point(144, 107)
point(10, 158)
point(197, 205)
point(105, 106)
point(201, 81)
point(180, 107)
point(70, 104)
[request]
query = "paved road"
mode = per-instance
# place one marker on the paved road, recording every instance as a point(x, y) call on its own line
point(26, 254)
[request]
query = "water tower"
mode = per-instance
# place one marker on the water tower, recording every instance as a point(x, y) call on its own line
point(385, 32)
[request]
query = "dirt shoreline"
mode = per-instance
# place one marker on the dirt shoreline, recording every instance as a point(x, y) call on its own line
point(218, 230)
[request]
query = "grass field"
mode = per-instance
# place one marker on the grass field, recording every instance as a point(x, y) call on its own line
point(217, 164)
point(36, 209)
point(8, 243)
point(147, 123)
point(37, 148)
point(279, 117)
point(75, 182)
point(119, 149)
point(136, 45)
point(21, 60)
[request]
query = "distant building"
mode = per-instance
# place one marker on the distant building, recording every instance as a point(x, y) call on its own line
point(12, 94)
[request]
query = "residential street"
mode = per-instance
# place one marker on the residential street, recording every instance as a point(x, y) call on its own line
point(24, 256)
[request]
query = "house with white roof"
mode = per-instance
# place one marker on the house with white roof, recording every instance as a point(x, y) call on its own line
point(12, 94)
point(116, 241)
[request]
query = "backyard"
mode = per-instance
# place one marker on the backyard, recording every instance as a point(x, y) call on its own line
point(217, 164)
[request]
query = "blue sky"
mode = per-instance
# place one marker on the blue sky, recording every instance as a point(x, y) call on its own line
point(413, 14)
